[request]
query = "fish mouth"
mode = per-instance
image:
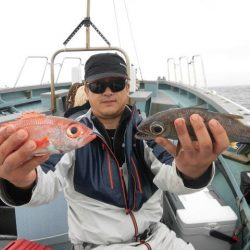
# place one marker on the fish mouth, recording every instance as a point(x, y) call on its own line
point(143, 136)
point(84, 141)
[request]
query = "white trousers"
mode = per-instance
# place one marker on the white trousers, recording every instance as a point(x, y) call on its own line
point(161, 239)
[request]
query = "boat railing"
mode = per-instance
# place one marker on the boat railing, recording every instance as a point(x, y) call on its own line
point(194, 60)
point(24, 64)
point(181, 58)
point(186, 71)
point(170, 61)
point(63, 63)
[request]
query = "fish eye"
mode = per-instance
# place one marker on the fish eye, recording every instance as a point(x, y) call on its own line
point(73, 131)
point(156, 128)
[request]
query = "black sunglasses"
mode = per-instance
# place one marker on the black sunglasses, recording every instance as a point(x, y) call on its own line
point(99, 87)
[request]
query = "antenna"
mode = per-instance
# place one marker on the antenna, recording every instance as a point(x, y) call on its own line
point(87, 23)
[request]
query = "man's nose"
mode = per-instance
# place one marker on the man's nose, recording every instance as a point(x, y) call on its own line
point(108, 91)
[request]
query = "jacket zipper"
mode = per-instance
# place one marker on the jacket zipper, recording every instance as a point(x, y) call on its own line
point(134, 192)
point(109, 167)
point(125, 198)
point(137, 175)
point(128, 211)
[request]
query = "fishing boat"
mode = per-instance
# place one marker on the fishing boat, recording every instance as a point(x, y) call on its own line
point(47, 224)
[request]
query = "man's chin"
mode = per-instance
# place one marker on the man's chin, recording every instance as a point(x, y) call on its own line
point(110, 113)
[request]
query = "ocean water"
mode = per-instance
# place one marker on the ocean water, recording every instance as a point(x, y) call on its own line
point(238, 94)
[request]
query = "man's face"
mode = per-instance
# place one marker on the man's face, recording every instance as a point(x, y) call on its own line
point(109, 104)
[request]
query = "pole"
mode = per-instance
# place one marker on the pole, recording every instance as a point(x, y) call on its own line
point(88, 27)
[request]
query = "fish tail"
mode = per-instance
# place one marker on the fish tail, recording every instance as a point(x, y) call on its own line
point(240, 134)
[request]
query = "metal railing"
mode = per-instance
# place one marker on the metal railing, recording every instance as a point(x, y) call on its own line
point(62, 64)
point(24, 64)
point(191, 66)
point(65, 50)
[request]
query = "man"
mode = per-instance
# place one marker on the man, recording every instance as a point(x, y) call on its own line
point(112, 185)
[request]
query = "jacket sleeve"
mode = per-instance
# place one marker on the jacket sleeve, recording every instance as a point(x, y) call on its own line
point(167, 177)
point(50, 181)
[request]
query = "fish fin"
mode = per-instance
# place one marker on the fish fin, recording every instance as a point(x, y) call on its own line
point(32, 114)
point(42, 143)
point(197, 107)
point(47, 151)
point(233, 116)
point(24, 115)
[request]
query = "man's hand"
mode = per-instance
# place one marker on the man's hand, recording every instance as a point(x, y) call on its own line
point(17, 165)
point(194, 157)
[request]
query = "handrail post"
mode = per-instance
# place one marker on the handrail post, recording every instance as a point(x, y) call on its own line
point(168, 64)
point(194, 71)
point(181, 71)
point(25, 61)
point(202, 68)
point(64, 59)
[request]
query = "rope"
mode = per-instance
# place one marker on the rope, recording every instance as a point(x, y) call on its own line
point(133, 40)
point(117, 25)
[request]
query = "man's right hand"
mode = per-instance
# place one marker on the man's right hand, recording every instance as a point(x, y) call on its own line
point(17, 163)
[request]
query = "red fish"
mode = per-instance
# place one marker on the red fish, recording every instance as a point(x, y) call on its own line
point(53, 134)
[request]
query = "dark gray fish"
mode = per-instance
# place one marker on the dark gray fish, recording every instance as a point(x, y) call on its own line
point(162, 124)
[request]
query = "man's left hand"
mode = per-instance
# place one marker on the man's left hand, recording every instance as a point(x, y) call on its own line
point(193, 158)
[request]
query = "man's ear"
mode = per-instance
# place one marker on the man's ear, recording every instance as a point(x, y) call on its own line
point(128, 87)
point(86, 89)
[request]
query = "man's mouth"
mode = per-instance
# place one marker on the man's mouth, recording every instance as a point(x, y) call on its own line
point(108, 101)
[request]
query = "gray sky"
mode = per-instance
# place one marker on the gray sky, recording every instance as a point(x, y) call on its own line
point(215, 29)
